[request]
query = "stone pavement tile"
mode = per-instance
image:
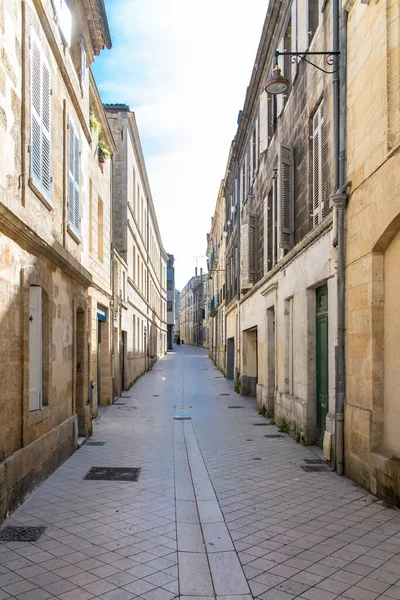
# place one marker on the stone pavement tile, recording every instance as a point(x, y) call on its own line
point(19, 587)
point(251, 572)
point(59, 587)
point(227, 574)
point(190, 538)
point(355, 567)
point(239, 597)
point(158, 594)
point(332, 585)
point(356, 593)
point(284, 571)
point(77, 594)
point(118, 594)
point(209, 511)
point(43, 579)
point(84, 578)
point(276, 595)
point(392, 592)
point(101, 586)
point(318, 594)
point(268, 579)
point(9, 578)
point(373, 585)
point(291, 586)
point(194, 574)
point(217, 538)
point(139, 587)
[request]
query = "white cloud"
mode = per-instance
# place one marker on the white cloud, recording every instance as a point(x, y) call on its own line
point(183, 67)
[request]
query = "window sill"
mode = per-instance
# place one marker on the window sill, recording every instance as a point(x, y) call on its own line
point(36, 416)
point(36, 190)
point(73, 234)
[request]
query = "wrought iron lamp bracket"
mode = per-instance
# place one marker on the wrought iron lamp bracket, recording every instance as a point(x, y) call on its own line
point(331, 59)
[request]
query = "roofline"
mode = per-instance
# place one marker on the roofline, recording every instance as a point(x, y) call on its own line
point(104, 23)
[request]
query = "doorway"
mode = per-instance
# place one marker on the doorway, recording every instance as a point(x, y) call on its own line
point(98, 362)
point(123, 353)
point(322, 371)
point(271, 362)
point(230, 360)
point(80, 385)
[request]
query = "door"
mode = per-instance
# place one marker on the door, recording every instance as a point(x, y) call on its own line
point(123, 351)
point(322, 361)
point(98, 362)
point(230, 358)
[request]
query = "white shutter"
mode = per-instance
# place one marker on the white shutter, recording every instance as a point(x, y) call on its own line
point(40, 147)
point(35, 347)
point(302, 25)
point(281, 62)
point(318, 167)
point(83, 66)
point(263, 122)
point(294, 44)
point(64, 19)
point(286, 199)
point(74, 208)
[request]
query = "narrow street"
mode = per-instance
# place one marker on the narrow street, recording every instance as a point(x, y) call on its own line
point(222, 508)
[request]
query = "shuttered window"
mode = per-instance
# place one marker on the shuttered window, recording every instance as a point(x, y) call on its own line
point(264, 122)
point(40, 148)
point(260, 241)
point(286, 198)
point(74, 192)
point(252, 249)
point(318, 165)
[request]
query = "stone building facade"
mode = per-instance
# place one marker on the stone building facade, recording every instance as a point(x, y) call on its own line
point(372, 416)
point(140, 310)
point(281, 263)
point(170, 302)
point(217, 287)
point(193, 310)
point(47, 147)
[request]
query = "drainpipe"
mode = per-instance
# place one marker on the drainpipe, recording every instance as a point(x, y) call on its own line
point(339, 202)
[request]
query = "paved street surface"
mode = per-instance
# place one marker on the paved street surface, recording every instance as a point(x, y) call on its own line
point(219, 511)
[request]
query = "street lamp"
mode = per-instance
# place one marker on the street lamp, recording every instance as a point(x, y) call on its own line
point(277, 84)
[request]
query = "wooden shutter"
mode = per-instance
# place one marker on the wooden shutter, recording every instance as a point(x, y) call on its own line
point(252, 249)
point(40, 118)
point(286, 198)
point(35, 347)
point(318, 166)
point(264, 133)
point(74, 205)
point(294, 44)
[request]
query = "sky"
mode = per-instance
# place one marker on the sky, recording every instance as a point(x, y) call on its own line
point(183, 67)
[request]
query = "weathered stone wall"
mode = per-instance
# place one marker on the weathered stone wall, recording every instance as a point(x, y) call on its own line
point(373, 225)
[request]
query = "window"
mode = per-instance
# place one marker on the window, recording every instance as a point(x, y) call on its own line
point(40, 148)
point(318, 165)
point(169, 306)
point(100, 230)
point(83, 67)
point(123, 285)
point(260, 241)
point(133, 263)
point(74, 208)
point(133, 189)
point(252, 249)
point(270, 234)
point(134, 333)
point(286, 198)
point(170, 284)
point(63, 14)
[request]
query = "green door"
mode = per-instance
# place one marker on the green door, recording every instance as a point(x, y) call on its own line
point(322, 361)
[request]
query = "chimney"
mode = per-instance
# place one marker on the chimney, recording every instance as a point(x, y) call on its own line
point(195, 272)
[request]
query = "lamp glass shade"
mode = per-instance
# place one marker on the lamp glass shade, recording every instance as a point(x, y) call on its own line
point(277, 84)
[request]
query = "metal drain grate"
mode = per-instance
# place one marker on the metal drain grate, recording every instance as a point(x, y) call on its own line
point(224, 394)
point(274, 435)
point(314, 461)
point(113, 474)
point(261, 424)
point(95, 443)
point(235, 406)
point(21, 534)
point(312, 468)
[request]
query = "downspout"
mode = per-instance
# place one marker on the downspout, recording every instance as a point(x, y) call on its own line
point(339, 202)
point(112, 275)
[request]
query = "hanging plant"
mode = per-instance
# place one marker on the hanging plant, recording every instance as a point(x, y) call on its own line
point(94, 124)
point(103, 151)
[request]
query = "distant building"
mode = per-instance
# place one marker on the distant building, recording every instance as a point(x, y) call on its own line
point(192, 310)
point(170, 301)
point(177, 313)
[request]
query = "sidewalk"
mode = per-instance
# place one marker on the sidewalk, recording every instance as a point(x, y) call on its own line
point(227, 508)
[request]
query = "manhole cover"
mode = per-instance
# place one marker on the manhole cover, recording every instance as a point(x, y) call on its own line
point(274, 435)
point(21, 534)
point(95, 443)
point(260, 424)
point(235, 406)
point(312, 468)
point(256, 458)
point(113, 474)
point(224, 394)
point(182, 417)
point(314, 461)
